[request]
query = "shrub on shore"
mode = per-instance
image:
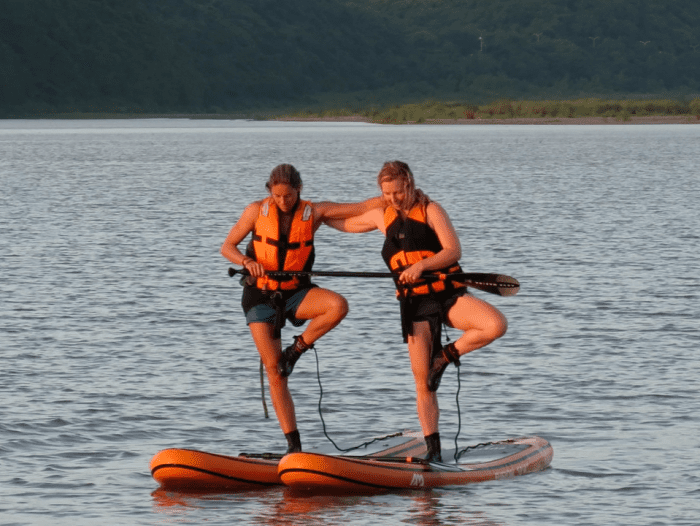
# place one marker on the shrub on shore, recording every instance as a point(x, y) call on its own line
point(436, 112)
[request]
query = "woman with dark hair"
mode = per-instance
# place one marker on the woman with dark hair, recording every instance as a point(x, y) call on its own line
point(283, 227)
point(420, 238)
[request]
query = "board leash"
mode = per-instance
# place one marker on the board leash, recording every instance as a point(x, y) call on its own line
point(323, 422)
point(458, 453)
point(262, 389)
point(459, 414)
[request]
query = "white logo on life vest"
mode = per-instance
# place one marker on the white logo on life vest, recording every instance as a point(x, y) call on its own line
point(417, 480)
point(265, 209)
point(307, 213)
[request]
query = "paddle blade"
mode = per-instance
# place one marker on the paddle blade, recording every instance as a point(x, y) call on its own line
point(499, 284)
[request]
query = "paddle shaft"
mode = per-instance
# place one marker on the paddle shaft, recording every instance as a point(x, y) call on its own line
point(499, 284)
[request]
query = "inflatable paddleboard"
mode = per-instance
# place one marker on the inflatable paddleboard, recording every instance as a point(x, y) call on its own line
point(188, 469)
point(496, 460)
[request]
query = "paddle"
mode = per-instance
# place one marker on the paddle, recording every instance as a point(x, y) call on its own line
point(499, 284)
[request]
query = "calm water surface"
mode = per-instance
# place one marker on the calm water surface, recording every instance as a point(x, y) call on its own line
point(121, 333)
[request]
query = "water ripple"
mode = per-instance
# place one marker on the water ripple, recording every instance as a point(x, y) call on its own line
point(122, 334)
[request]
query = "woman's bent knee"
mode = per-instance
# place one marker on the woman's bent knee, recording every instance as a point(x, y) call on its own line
point(339, 307)
point(500, 326)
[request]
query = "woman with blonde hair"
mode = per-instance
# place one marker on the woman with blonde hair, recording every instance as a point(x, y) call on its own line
point(420, 238)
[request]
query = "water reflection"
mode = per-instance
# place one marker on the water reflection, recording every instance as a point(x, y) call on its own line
point(282, 506)
point(118, 322)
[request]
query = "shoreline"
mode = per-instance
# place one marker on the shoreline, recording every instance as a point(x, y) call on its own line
point(633, 119)
point(478, 121)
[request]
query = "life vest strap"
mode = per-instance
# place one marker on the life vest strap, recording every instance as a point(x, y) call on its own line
point(277, 243)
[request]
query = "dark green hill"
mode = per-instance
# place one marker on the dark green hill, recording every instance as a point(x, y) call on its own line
point(210, 56)
point(604, 46)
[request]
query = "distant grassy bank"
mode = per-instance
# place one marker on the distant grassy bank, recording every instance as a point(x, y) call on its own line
point(579, 111)
point(437, 112)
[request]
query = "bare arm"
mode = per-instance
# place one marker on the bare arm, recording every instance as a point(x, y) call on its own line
point(327, 210)
point(238, 233)
point(371, 220)
point(451, 251)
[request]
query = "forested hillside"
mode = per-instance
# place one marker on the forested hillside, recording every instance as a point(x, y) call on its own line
point(211, 56)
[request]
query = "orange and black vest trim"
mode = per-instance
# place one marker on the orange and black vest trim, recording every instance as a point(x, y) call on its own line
point(276, 251)
point(409, 241)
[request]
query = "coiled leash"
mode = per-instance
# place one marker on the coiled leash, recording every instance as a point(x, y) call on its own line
point(458, 452)
point(320, 397)
point(459, 411)
point(262, 389)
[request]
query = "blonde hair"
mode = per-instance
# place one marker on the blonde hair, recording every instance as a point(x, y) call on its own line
point(399, 171)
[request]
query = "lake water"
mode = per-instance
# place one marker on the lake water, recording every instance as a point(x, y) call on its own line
point(121, 333)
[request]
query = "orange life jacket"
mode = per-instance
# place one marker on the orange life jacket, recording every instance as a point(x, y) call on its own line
point(277, 252)
point(409, 241)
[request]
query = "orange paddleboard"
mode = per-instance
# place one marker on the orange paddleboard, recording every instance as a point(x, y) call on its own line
point(499, 460)
point(187, 469)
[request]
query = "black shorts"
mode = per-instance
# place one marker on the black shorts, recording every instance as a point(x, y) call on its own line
point(432, 308)
point(424, 306)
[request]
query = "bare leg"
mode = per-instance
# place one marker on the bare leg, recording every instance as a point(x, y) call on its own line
point(481, 322)
point(325, 309)
point(270, 351)
point(419, 345)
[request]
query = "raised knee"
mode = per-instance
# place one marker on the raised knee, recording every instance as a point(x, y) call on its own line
point(501, 326)
point(340, 307)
